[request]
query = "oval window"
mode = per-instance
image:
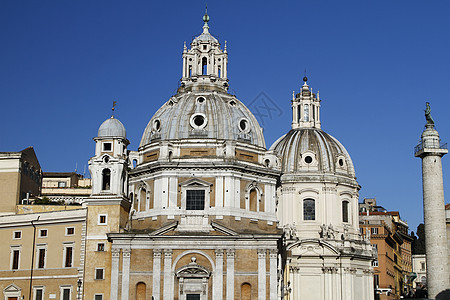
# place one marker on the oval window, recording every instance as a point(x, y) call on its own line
point(243, 125)
point(200, 99)
point(308, 159)
point(341, 162)
point(156, 125)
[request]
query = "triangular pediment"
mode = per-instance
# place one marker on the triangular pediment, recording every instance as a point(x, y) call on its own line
point(195, 182)
point(222, 229)
point(12, 288)
point(164, 229)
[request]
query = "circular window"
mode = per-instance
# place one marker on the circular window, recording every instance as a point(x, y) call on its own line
point(200, 99)
point(308, 159)
point(198, 121)
point(106, 159)
point(341, 162)
point(157, 125)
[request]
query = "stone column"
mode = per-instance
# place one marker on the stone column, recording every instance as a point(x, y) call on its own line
point(218, 276)
point(168, 280)
point(126, 254)
point(273, 255)
point(156, 273)
point(115, 256)
point(230, 274)
point(430, 152)
point(262, 274)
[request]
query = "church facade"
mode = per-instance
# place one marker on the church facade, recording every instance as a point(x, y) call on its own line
point(203, 210)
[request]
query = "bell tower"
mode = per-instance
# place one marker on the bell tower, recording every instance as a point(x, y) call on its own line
point(305, 108)
point(205, 64)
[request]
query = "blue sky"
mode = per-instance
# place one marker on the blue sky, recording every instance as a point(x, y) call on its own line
point(375, 64)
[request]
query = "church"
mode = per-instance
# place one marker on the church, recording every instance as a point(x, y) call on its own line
point(205, 210)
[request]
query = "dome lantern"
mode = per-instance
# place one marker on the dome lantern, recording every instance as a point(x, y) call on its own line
point(305, 108)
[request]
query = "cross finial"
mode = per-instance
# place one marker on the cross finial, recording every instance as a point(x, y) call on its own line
point(113, 108)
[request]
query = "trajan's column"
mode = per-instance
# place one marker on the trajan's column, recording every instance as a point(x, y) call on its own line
point(430, 151)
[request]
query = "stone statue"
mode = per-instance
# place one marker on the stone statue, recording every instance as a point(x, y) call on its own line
point(428, 114)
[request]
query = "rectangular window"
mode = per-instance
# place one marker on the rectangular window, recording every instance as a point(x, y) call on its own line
point(361, 230)
point(101, 247)
point(375, 263)
point(195, 199)
point(345, 211)
point(422, 266)
point(38, 294)
point(68, 256)
point(17, 235)
point(98, 297)
point(102, 219)
point(107, 147)
point(61, 184)
point(70, 231)
point(15, 259)
point(41, 258)
point(43, 233)
point(309, 209)
point(374, 230)
point(99, 274)
point(65, 293)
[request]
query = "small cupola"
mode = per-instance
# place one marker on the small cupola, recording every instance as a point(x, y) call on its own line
point(305, 108)
point(205, 64)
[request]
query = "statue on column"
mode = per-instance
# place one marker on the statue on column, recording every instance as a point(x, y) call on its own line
point(428, 114)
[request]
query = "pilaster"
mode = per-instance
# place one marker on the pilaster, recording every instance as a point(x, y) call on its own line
point(273, 255)
point(230, 274)
point(156, 273)
point(262, 274)
point(115, 256)
point(218, 276)
point(126, 255)
point(168, 278)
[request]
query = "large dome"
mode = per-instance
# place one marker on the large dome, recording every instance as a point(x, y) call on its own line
point(203, 115)
point(311, 149)
point(112, 128)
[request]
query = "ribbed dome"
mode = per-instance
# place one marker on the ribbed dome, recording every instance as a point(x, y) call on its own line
point(112, 128)
point(311, 149)
point(203, 115)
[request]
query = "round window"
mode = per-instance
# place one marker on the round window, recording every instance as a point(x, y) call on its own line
point(200, 99)
point(157, 125)
point(341, 162)
point(198, 121)
point(308, 159)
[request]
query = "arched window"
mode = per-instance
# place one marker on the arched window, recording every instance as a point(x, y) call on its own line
point(190, 71)
point(246, 291)
point(253, 200)
point(204, 66)
point(306, 113)
point(345, 211)
point(106, 179)
point(143, 199)
point(140, 291)
point(219, 72)
point(309, 209)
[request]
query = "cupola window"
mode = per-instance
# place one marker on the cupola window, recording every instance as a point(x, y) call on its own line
point(306, 113)
point(308, 159)
point(309, 209)
point(243, 125)
point(156, 125)
point(204, 66)
point(345, 211)
point(200, 99)
point(107, 147)
point(106, 179)
point(198, 121)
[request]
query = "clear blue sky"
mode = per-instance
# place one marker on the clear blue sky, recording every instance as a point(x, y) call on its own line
point(375, 63)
